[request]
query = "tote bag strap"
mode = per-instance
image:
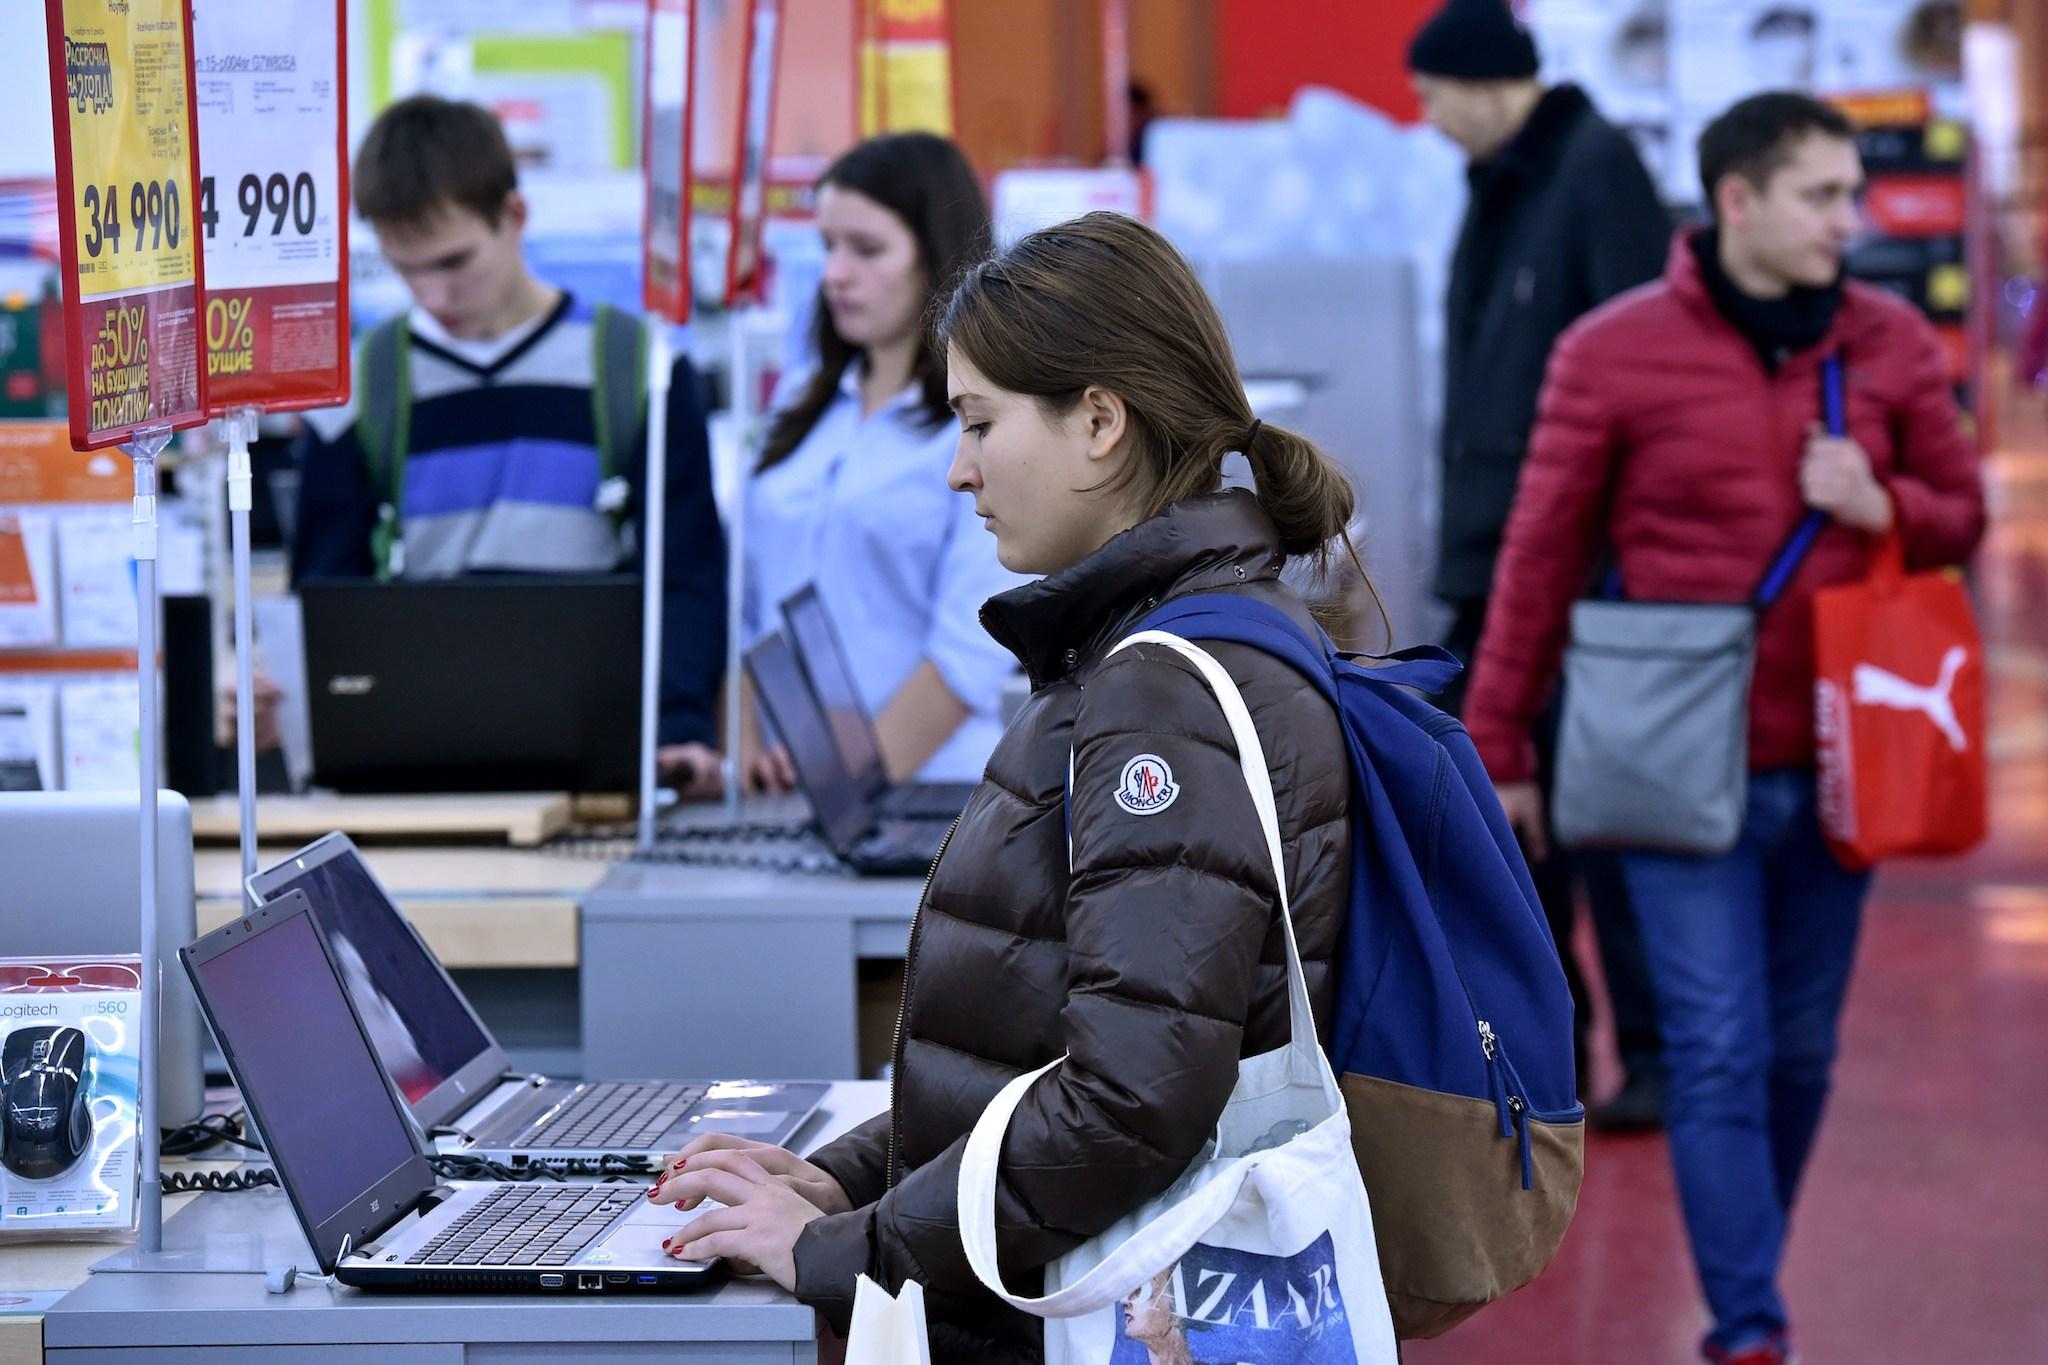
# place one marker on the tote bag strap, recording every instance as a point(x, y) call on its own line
point(1167, 1238)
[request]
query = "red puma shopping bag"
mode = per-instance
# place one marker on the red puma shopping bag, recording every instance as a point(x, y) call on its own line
point(1899, 700)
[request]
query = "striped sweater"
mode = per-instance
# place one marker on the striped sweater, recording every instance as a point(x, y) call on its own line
point(503, 477)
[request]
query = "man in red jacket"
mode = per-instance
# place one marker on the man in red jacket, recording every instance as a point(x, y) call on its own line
point(1680, 431)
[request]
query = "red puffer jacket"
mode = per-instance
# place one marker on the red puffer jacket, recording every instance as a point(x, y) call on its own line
point(1661, 433)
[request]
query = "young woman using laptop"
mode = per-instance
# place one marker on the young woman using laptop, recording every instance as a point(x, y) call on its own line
point(1097, 398)
point(851, 491)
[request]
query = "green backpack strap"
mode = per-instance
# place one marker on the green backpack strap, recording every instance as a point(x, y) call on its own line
point(618, 401)
point(384, 431)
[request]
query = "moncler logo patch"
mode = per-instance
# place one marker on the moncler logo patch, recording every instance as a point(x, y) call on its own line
point(1147, 787)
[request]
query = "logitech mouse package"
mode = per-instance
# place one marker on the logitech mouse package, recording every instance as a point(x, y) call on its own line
point(70, 1072)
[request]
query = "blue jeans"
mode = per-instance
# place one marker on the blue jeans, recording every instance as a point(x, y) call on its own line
point(1749, 955)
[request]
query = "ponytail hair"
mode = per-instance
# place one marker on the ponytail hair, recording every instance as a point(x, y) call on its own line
point(1105, 300)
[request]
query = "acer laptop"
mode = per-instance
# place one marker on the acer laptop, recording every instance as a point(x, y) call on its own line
point(353, 1165)
point(494, 683)
point(850, 727)
point(454, 1075)
point(866, 840)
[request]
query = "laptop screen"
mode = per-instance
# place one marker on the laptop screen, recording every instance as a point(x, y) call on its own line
point(824, 663)
point(393, 694)
point(836, 798)
point(328, 1120)
point(422, 1030)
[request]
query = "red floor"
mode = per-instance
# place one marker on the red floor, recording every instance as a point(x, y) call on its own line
point(1922, 1237)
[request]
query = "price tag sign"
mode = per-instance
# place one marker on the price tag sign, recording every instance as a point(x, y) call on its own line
point(120, 100)
point(666, 146)
point(270, 84)
point(744, 279)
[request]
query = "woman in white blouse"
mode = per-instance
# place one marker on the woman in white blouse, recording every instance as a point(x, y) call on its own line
point(851, 490)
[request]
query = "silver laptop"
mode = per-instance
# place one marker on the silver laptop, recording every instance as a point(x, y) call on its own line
point(456, 1078)
point(353, 1165)
point(71, 886)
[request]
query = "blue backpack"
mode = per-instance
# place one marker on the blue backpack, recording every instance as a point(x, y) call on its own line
point(1452, 1027)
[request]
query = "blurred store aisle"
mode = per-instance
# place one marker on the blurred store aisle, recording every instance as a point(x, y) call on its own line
point(1922, 1237)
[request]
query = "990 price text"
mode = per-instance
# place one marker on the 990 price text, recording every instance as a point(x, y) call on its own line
point(152, 208)
point(282, 198)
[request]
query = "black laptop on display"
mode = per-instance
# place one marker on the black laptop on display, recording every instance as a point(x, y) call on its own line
point(825, 668)
point(456, 1078)
point(353, 1165)
point(488, 683)
point(866, 840)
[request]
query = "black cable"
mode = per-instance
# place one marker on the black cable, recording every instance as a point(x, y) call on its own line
point(218, 1182)
point(209, 1131)
point(610, 1170)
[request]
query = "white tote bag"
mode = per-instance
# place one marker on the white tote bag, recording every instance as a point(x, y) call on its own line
point(888, 1331)
point(1262, 1253)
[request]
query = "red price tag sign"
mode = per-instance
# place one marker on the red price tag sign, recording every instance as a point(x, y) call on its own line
point(745, 280)
point(271, 88)
point(666, 148)
point(120, 100)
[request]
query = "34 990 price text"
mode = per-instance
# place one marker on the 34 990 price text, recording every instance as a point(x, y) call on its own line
point(153, 210)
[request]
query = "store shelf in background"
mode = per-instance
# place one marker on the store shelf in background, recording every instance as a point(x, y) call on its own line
point(520, 819)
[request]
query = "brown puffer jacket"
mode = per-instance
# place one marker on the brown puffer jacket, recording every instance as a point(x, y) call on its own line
point(1155, 964)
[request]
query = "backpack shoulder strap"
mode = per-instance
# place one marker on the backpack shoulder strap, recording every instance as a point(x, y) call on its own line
point(1261, 625)
point(618, 390)
point(384, 430)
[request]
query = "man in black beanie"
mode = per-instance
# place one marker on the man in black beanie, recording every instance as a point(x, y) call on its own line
point(1562, 217)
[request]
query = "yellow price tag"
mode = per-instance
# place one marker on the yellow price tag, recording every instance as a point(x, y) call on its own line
point(1945, 140)
point(1948, 288)
point(126, 107)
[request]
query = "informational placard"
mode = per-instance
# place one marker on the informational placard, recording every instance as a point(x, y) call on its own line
point(120, 100)
point(744, 279)
point(271, 88)
point(665, 149)
point(907, 65)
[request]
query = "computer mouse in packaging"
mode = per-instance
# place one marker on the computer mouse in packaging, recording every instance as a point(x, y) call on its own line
point(45, 1107)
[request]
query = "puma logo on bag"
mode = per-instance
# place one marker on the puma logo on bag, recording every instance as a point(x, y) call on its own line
point(1877, 687)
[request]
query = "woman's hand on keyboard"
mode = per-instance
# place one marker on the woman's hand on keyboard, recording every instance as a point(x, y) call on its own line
point(818, 1188)
point(756, 1219)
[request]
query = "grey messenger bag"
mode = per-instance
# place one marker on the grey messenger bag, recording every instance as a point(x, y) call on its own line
point(1653, 745)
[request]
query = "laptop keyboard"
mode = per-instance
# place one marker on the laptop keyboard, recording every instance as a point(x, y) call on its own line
point(617, 1116)
point(528, 1225)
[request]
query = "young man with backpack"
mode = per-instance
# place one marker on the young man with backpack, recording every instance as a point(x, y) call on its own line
point(500, 425)
point(1680, 439)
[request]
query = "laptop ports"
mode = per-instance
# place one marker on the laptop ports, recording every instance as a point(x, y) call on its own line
point(616, 1278)
point(550, 1281)
point(590, 1281)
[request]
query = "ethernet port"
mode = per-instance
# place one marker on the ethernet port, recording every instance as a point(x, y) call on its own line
point(590, 1282)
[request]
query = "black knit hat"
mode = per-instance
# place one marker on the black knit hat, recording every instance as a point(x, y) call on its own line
point(1474, 40)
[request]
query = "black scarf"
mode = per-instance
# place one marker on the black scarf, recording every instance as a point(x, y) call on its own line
point(1776, 327)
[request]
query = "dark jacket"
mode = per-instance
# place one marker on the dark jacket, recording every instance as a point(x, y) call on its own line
point(1664, 435)
point(1561, 219)
point(1154, 965)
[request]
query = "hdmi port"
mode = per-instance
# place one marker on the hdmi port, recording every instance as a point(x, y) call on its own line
point(618, 1279)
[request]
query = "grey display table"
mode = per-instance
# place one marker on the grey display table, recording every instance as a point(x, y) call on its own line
point(732, 973)
point(231, 1318)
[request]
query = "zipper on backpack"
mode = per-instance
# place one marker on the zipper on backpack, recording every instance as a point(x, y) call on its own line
point(1513, 1111)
